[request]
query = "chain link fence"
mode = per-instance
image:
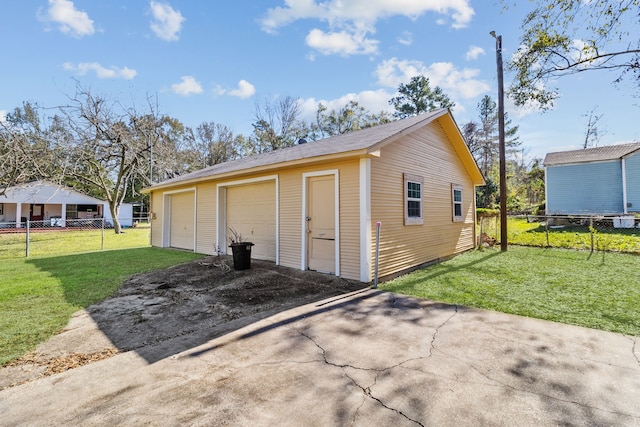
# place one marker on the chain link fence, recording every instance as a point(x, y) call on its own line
point(594, 233)
point(59, 237)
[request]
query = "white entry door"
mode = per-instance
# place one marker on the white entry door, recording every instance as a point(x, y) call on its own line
point(321, 223)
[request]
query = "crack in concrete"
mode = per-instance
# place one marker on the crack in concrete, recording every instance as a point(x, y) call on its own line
point(367, 391)
point(435, 333)
point(633, 350)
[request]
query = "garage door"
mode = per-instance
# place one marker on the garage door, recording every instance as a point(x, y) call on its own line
point(251, 210)
point(182, 226)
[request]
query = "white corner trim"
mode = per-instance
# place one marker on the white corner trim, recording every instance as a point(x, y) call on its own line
point(624, 186)
point(365, 220)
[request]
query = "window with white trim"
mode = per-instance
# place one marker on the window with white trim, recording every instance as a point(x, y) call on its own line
point(456, 202)
point(413, 199)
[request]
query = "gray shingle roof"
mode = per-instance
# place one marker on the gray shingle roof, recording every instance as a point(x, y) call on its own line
point(359, 140)
point(609, 152)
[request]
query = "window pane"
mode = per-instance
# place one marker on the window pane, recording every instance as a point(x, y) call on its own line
point(413, 190)
point(457, 209)
point(413, 209)
point(457, 195)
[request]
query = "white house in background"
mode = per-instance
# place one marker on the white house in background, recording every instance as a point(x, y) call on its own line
point(55, 204)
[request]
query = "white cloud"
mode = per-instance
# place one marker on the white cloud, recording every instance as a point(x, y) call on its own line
point(373, 101)
point(351, 22)
point(335, 11)
point(101, 72)
point(245, 90)
point(456, 83)
point(342, 43)
point(167, 21)
point(3, 116)
point(187, 86)
point(474, 52)
point(406, 38)
point(69, 19)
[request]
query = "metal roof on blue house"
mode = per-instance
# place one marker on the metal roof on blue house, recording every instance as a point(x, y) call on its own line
point(596, 154)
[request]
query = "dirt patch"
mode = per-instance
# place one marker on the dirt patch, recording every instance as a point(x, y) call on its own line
point(164, 312)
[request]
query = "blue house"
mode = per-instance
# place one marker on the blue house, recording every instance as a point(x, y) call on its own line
point(593, 181)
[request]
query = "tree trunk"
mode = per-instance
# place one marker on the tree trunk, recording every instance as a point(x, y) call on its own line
point(115, 215)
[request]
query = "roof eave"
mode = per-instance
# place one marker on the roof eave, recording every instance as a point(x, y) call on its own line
point(261, 169)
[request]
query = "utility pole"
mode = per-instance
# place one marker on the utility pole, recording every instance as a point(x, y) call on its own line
point(503, 166)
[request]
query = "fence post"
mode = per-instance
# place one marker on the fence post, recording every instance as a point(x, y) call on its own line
point(27, 240)
point(102, 242)
point(591, 231)
point(546, 228)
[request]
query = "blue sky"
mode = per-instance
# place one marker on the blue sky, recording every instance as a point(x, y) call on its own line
point(213, 60)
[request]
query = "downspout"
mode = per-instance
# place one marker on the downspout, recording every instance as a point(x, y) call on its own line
point(624, 186)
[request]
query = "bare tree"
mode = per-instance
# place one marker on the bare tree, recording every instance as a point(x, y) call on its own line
point(211, 143)
point(276, 124)
point(592, 133)
point(109, 148)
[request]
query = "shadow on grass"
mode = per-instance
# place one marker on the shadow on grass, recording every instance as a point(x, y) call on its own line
point(443, 269)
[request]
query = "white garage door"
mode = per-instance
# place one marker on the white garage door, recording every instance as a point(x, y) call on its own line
point(182, 226)
point(251, 211)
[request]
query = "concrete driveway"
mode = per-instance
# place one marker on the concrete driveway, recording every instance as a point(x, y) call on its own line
point(368, 358)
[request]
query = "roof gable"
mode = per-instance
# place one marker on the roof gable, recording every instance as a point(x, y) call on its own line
point(361, 142)
point(597, 154)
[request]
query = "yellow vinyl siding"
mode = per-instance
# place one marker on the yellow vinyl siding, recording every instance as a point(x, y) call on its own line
point(427, 153)
point(350, 220)
point(155, 207)
point(291, 216)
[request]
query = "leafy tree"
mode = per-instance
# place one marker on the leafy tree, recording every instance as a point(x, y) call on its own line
point(25, 154)
point(349, 118)
point(417, 97)
point(482, 137)
point(563, 37)
point(210, 144)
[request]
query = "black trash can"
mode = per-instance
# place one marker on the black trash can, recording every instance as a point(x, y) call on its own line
point(241, 255)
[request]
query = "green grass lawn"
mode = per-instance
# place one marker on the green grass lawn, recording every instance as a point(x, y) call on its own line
point(47, 243)
point(521, 232)
point(568, 286)
point(39, 295)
